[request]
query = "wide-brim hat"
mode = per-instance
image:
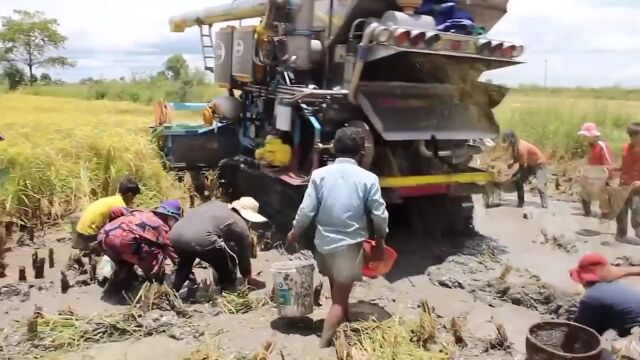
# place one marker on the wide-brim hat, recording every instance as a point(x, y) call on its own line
point(248, 208)
point(589, 129)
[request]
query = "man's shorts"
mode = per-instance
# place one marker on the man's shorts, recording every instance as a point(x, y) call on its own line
point(343, 265)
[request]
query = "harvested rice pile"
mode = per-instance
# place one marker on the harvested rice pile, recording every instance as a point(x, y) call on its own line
point(210, 350)
point(241, 302)
point(396, 338)
point(154, 296)
point(69, 332)
point(64, 153)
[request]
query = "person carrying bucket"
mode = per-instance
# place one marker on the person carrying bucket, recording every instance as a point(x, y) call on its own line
point(599, 155)
point(218, 234)
point(341, 197)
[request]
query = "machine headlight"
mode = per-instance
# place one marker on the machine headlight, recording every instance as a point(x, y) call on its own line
point(382, 34)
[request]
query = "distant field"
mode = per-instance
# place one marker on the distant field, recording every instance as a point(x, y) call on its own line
point(552, 119)
point(63, 153)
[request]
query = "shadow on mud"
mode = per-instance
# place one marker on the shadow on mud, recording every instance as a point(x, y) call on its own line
point(306, 326)
point(416, 255)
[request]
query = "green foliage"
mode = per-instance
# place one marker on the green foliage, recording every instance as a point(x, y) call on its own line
point(29, 37)
point(45, 78)
point(142, 89)
point(14, 76)
point(551, 118)
point(176, 67)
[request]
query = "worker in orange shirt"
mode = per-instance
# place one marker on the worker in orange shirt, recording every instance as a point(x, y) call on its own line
point(531, 162)
point(630, 176)
point(599, 155)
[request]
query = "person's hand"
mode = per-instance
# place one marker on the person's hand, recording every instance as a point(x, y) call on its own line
point(255, 283)
point(292, 239)
point(609, 273)
point(635, 185)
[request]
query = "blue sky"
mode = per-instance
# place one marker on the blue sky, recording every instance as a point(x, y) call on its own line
point(584, 42)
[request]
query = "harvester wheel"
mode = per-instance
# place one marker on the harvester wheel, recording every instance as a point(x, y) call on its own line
point(459, 216)
point(436, 217)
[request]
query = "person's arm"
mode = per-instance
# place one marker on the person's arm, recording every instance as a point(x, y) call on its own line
point(607, 161)
point(377, 209)
point(167, 249)
point(378, 214)
point(242, 240)
point(612, 273)
point(306, 212)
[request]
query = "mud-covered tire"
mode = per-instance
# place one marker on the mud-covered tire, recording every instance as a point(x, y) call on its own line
point(459, 216)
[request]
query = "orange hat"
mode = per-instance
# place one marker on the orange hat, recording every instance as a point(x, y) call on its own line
point(585, 272)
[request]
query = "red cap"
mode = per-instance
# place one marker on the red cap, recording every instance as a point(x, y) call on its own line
point(585, 272)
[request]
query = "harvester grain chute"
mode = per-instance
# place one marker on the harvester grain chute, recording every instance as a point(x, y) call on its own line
point(402, 70)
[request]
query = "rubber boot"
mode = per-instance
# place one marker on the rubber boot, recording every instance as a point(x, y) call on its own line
point(586, 207)
point(520, 199)
point(544, 199)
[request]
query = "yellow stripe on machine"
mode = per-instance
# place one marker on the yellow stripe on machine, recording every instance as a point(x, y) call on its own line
point(461, 178)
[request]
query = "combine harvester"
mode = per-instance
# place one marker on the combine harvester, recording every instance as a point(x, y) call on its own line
point(403, 71)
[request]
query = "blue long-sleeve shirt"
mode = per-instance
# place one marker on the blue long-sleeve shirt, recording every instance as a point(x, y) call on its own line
point(341, 197)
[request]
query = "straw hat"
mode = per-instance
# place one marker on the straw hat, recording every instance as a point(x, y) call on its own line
point(248, 207)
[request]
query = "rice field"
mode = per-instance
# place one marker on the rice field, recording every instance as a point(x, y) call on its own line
point(64, 153)
point(551, 120)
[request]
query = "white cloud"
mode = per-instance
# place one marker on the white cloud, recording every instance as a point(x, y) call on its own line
point(584, 42)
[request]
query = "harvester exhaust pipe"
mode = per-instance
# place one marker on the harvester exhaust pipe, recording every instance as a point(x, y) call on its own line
point(299, 43)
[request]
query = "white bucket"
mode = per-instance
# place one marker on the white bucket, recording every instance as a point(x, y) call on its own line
point(293, 282)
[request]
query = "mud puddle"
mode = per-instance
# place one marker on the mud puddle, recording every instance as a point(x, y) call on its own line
point(495, 282)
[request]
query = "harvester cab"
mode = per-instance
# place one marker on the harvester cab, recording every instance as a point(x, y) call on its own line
point(404, 71)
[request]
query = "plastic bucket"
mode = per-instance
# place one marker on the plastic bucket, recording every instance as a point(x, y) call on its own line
point(372, 269)
point(293, 283)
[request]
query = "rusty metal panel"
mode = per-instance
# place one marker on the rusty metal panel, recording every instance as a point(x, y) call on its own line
point(419, 111)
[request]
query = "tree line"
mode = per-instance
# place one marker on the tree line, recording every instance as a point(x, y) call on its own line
point(31, 41)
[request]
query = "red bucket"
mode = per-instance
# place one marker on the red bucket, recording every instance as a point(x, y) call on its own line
point(372, 269)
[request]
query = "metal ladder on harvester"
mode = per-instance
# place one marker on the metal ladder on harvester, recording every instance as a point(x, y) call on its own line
point(208, 52)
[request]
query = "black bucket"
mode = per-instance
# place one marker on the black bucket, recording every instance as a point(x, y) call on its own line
point(546, 341)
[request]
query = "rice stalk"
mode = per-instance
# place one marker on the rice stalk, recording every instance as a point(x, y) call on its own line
point(392, 339)
point(60, 162)
point(155, 296)
point(508, 268)
point(240, 302)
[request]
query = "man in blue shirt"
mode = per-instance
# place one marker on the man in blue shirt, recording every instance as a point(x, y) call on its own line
point(341, 197)
point(607, 303)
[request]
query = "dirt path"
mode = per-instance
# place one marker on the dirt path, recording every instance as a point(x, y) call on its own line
point(459, 279)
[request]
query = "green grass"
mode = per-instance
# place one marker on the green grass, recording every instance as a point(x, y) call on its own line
point(65, 153)
point(142, 92)
point(552, 118)
point(548, 117)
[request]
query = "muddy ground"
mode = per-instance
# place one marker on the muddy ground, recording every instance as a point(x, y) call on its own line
point(514, 274)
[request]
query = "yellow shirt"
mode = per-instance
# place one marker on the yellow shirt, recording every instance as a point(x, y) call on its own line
point(96, 215)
